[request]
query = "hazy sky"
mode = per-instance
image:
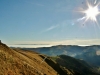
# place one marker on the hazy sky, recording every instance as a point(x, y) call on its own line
point(47, 22)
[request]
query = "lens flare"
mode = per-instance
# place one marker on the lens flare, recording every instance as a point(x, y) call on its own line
point(91, 12)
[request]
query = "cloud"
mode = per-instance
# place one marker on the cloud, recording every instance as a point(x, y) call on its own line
point(50, 28)
point(64, 42)
point(60, 25)
point(80, 42)
point(81, 19)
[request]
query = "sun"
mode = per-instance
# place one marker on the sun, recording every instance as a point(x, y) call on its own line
point(92, 12)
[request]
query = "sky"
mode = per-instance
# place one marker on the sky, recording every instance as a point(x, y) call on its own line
point(47, 22)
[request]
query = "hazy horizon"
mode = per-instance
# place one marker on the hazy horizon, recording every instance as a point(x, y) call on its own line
point(38, 46)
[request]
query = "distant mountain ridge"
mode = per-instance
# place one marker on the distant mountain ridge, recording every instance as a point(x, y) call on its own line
point(26, 62)
point(71, 49)
point(80, 52)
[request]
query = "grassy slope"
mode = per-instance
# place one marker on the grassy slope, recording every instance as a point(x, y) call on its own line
point(23, 62)
point(18, 62)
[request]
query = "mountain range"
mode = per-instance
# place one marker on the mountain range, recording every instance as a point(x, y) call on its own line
point(91, 54)
point(16, 61)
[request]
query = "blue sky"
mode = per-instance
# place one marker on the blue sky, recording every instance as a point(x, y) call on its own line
point(46, 22)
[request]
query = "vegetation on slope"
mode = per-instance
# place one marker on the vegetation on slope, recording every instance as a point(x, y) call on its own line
point(76, 65)
point(18, 62)
point(24, 62)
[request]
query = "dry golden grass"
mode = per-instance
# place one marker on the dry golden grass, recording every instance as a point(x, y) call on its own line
point(22, 62)
point(19, 62)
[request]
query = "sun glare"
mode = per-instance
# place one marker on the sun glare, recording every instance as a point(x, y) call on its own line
point(92, 12)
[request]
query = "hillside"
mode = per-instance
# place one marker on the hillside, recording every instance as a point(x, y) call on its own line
point(24, 62)
point(74, 64)
point(18, 62)
point(90, 54)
